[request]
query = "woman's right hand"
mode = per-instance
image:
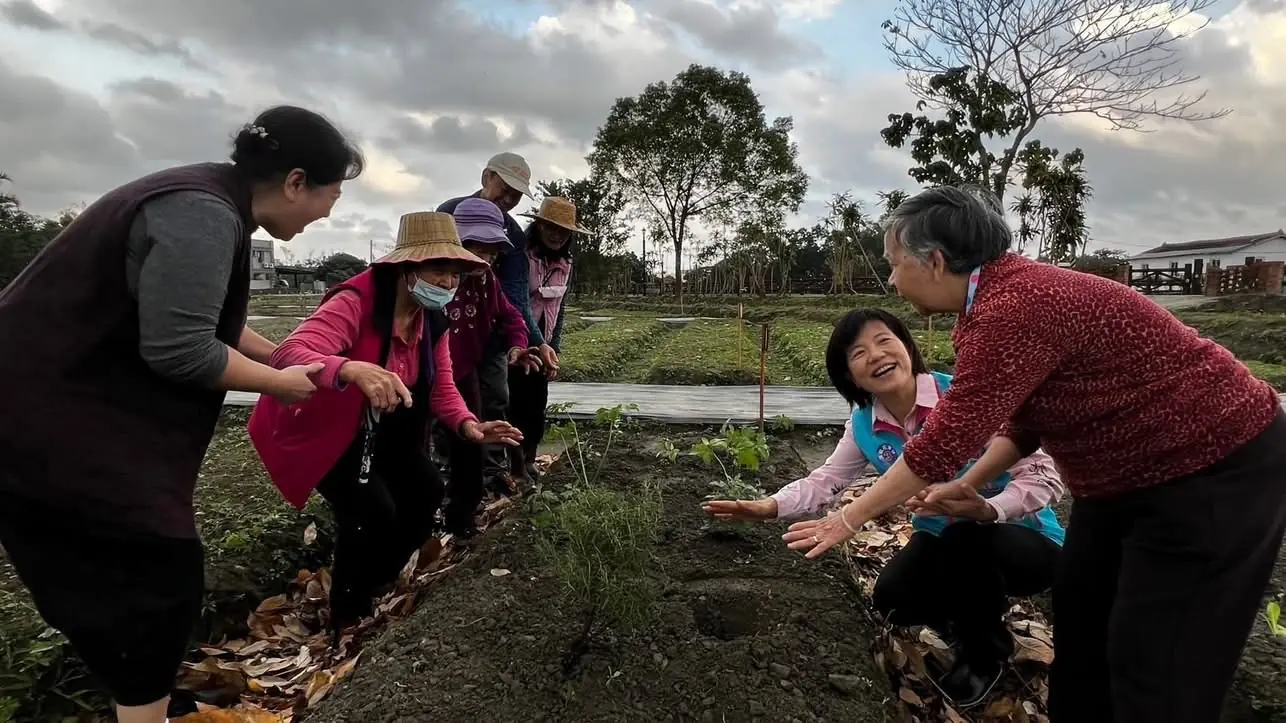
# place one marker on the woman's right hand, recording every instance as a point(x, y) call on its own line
point(742, 510)
point(383, 389)
point(293, 384)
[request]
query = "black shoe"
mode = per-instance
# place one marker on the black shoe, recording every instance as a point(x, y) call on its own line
point(968, 685)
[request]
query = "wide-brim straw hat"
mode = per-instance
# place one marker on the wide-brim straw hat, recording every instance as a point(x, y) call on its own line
point(430, 236)
point(560, 212)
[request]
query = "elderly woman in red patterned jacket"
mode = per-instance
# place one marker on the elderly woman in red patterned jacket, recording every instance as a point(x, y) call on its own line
point(478, 310)
point(1174, 454)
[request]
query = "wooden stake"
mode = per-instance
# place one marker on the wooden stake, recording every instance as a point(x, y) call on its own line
point(763, 371)
point(741, 332)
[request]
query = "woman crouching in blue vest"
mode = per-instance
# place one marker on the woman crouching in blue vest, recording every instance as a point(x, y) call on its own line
point(960, 566)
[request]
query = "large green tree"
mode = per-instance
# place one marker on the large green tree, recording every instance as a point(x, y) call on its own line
point(699, 148)
point(972, 139)
point(1119, 60)
point(23, 235)
point(338, 267)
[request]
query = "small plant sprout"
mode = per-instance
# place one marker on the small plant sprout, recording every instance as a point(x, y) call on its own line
point(734, 488)
point(599, 541)
point(668, 451)
point(613, 419)
point(1273, 616)
point(746, 447)
point(781, 423)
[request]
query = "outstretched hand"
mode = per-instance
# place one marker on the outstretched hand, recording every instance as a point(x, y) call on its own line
point(814, 537)
point(742, 510)
point(498, 432)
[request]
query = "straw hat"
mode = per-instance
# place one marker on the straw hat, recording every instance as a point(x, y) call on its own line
point(560, 212)
point(430, 236)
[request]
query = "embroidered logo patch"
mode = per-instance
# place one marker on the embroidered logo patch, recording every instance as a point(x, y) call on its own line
point(886, 453)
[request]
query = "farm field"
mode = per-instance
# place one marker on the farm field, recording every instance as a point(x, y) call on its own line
point(256, 544)
point(636, 346)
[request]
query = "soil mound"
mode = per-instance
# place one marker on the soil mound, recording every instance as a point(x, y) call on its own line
point(745, 629)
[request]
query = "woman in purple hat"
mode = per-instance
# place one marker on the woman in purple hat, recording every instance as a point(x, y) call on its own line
point(478, 310)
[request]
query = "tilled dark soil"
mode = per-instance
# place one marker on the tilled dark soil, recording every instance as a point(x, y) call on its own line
point(746, 630)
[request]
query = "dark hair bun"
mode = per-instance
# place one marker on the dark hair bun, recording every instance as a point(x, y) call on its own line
point(285, 138)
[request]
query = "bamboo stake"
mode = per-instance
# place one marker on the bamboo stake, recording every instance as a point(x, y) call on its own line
point(763, 372)
point(741, 332)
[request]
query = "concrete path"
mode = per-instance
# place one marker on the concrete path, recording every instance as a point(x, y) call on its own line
point(686, 404)
point(674, 404)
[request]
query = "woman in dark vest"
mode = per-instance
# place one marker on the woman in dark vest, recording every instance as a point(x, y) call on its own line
point(120, 340)
point(362, 440)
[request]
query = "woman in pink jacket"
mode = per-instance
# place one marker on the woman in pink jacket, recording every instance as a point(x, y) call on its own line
point(361, 439)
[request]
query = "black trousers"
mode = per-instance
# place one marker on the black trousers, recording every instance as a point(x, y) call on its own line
point(465, 490)
point(528, 398)
point(126, 601)
point(379, 523)
point(1160, 588)
point(960, 582)
point(493, 383)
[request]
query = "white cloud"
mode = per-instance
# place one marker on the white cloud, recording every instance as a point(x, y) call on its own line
point(95, 114)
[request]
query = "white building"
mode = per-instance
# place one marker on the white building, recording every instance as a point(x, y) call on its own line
point(1224, 252)
point(262, 264)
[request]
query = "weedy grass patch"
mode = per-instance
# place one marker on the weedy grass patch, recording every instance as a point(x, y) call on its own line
point(601, 351)
point(706, 353)
point(1274, 374)
point(599, 539)
point(276, 329)
point(1252, 337)
point(283, 304)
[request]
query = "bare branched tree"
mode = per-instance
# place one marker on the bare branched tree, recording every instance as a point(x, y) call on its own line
point(1119, 60)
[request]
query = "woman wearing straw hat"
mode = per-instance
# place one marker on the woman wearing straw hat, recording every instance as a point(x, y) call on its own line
point(360, 440)
point(550, 262)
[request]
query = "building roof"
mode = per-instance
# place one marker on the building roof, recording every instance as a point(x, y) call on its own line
point(1218, 245)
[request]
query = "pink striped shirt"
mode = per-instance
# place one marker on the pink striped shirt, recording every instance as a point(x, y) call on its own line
point(1034, 482)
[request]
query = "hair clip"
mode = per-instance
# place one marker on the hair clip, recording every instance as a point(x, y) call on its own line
point(262, 133)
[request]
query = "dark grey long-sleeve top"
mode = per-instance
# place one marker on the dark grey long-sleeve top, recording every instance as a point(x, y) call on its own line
point(178, 263)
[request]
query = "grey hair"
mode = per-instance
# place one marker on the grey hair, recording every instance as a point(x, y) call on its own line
point(966, 224)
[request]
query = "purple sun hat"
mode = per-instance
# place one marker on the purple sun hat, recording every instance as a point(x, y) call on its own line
point(480, 221)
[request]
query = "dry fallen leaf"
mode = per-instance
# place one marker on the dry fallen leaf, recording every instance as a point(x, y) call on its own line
point(276, 602)
point(231, 715)
point(910, 697)
point(952, 716)
point(1032, 650)
point(873, 538)
point(310, 533)
point(499, 572)
point(1000, 708)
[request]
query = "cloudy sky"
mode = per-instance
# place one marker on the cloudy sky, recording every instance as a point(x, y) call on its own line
point(96, 92)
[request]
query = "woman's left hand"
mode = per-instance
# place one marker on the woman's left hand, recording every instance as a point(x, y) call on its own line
point(818, 536)
point(499, 432)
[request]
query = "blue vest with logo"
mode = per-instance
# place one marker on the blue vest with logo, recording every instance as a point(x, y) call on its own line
point(883, 448)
